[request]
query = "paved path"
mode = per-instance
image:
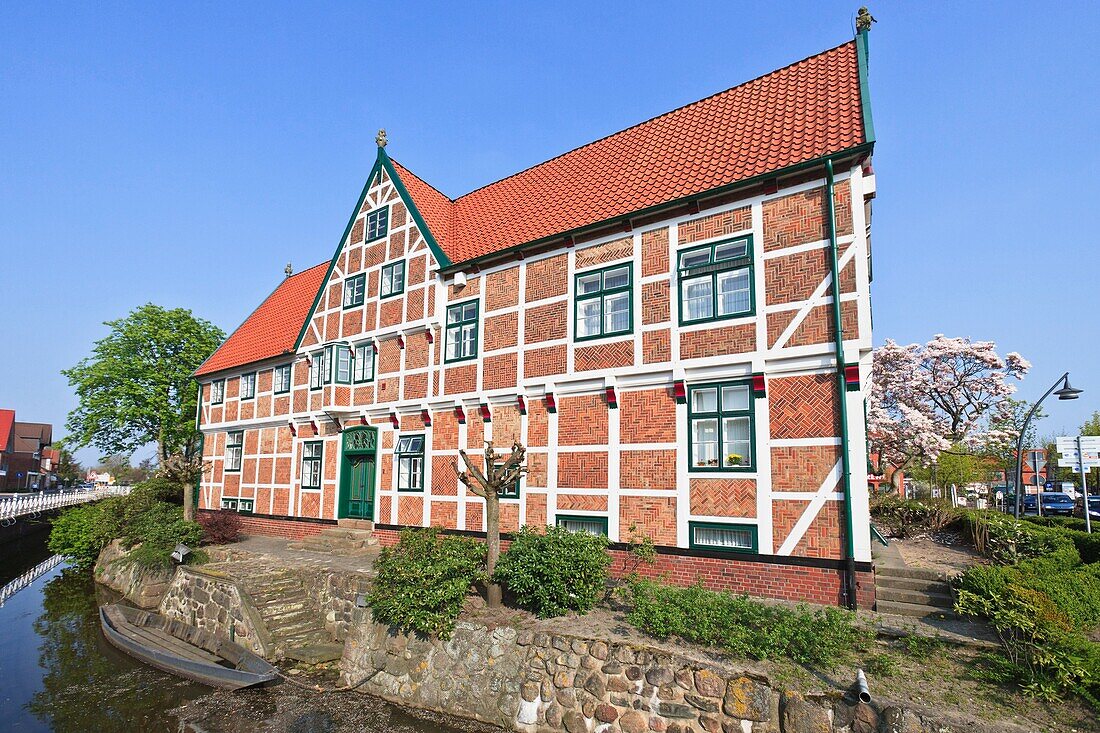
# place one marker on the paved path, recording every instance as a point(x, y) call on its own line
point(276, 549)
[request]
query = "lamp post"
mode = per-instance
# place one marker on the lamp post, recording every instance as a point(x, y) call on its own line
point(1065, 393)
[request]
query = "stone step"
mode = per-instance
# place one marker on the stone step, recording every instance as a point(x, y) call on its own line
point(918, 610)
point(344, 533)
point(910, 573)
point(295, 632)
point(315, 653)
point(287, 607)
point(355, 524)
point(936, 600)
point(927, 586)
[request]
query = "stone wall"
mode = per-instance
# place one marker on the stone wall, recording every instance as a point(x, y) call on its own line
point(533, 682)
point(141, 587)
point(335, 593)
point(203, 598)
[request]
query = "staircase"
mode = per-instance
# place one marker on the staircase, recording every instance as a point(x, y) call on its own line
point(292, 619)
point(351, 538)
point(905, 591)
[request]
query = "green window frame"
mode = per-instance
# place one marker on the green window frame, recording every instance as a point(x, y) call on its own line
point(582, 523)
point(513, 492)
point(319, 369)
point(217, 392)
point(392, 282)
point(341, 364)
point(355, 290)
point(723, 537)
point(409, 451)
point(280, 379)
point(716, 281)
point(721, 427)
point(598, 300)
point(312, 455)
point(363, 364)
point(234, 450)
point(248, 386)
point(461, 338)
point(378, 223)
point(244, 506)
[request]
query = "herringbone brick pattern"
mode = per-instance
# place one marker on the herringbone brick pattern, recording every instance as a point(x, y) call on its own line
point(794, 277)
point(656, 346)
point(582, 470)
point(444, 478)
point(545, 322)
point(384, 505)
point(582, 420)
point(417, 268)
point(469, 290)
point(655, 302)
point(800, 217)
point(397, 243)
point(392, 311)
point(499, 371)
point(655, 252)
point(715, 225)
point(537, 424)
point(603, 356)
point(607, 252)
point(648, 469)
point(718, 341)
point(397, 215)
point(501, 331)
point(802, 468)
point(416, 351)
point(541, 362)
point(502, 289)
point(536, 470)
point(547, 278)
point(387, 391)
point(506, 427)
point(444, 514)
point(414, 302)
point(647, 416)
point(352, 323)
point(536, 510)
point(654, 516)
point(461, 379)
point(803, 406)
point(389, 356)
point(416, 387)
point(581, 502)
point(725, 497)
point(357, 231)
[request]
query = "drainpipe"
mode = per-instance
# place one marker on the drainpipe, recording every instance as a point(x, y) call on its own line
point(842, 396)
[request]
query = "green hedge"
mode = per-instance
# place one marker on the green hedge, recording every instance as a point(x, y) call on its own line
point(552, 571)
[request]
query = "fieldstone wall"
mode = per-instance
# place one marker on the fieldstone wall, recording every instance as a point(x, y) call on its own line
point(335, 593)
point(143, 588)
point(534, 682)
point(210, 601)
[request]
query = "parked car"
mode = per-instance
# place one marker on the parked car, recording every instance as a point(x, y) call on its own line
point(1031, 504)
point(1057, 503)
point(1094, 507)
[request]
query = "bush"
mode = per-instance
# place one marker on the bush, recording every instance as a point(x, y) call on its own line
point(1073, 590)
point(905, 517)
point(155, 533)
point(221, 527)
point(422, 581)
point(157, 489)
point(80, 533)
point(555, 571)
point(744, 627)
point(1007, 540)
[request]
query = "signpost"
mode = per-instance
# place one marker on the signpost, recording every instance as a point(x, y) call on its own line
point(1081, 453)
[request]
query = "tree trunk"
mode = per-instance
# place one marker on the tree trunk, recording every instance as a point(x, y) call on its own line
point(492, 536)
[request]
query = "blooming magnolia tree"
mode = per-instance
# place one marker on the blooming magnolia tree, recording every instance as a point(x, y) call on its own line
point(925, 398)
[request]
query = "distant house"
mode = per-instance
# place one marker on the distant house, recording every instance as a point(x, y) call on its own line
point(100, 479)
point(26, 461)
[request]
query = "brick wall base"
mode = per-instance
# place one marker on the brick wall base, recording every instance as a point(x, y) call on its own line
point(791, 579)
point(267, 525)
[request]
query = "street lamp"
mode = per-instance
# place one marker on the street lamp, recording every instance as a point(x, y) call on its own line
point(1065, 393)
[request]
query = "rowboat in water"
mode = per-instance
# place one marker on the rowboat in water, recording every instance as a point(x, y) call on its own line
point(183, 650)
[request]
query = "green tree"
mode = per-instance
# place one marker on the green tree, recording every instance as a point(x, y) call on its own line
point(69, 470)
point(136, 388)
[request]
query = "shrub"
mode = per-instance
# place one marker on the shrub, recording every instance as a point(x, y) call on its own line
point(744, 627)
point(155, 533)
point(905, 517)
point(80, 533)
point(422, 581)
point(556, 571)
point(157, 489)
point(221, 527)
point(1007, 541)
point(1074, 590)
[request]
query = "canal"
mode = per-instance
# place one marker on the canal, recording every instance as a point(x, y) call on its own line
point(58, 673)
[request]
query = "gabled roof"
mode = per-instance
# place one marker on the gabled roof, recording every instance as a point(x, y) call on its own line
point(797, 114)
point(7, 419)
point(30, 437)
point(272, 328)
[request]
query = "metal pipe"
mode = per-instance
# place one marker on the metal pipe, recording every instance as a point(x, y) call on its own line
point(1020, 446)
point(842, 392)
point(861, 683)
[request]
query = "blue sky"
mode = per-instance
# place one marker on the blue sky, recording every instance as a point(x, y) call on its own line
point(183, 154)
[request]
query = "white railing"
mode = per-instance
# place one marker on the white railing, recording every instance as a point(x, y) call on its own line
point(32, 504)
point(29, 577)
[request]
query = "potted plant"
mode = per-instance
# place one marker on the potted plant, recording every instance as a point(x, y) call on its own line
point(733, 459)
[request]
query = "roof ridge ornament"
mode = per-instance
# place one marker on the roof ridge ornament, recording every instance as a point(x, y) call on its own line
point(380, 138)
point(289, 269)
point(864, 19)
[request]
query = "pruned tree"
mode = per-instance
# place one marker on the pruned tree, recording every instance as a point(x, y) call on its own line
point(927, 397)
point(499, 475)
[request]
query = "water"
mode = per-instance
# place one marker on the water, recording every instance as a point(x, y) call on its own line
point(58, 673)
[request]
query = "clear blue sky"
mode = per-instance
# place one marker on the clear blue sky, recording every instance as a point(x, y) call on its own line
point(183, 154)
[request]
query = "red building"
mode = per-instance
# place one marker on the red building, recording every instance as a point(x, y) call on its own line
point(26, 461)
point(654, 315)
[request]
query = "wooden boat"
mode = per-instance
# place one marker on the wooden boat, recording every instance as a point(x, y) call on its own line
point(183, 650)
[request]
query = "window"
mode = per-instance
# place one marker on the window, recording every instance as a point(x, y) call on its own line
point(282, 379)
point(512, 492)
point(217, 391)
point(462, 331)
point(244, 506)
point(603, 306)
point(311, 464)
point(319, 370)
point(354, 290)
point(248, 386)
point(363, 364)
point(393, 279)
point(234, 445)
point(725, 537)
point(378, 223)
point(410, 463)
point(342, 364)
point(721, 427)
point(716, 281)
point(591, 525)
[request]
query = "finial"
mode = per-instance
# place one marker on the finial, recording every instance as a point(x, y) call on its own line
point(864, 19)
point(381, 138)
point(289, 270)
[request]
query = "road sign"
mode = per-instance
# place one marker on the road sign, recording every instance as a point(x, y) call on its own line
point(1088, 443)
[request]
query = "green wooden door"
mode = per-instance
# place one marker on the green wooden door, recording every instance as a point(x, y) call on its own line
point(357, 472)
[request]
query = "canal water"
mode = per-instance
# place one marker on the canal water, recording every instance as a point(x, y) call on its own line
point(58, 673)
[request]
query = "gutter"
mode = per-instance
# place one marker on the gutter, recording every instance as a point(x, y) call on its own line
point(842, 396)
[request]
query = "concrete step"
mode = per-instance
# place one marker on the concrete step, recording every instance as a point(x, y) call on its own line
point(928, 586)
point(315, 653)
point(935, 600)
point(355, 524)
point(918, 610)
point(909, 573)
point(345, 533)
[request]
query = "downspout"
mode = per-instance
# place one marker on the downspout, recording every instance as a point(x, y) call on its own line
point(842, 395)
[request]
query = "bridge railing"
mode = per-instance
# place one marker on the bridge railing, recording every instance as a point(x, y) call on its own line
point(31, 504)
point(29, 577)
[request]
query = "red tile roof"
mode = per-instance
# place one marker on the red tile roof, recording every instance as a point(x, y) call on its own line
point(273, 328)
point(7, 418)
point(799, 113)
